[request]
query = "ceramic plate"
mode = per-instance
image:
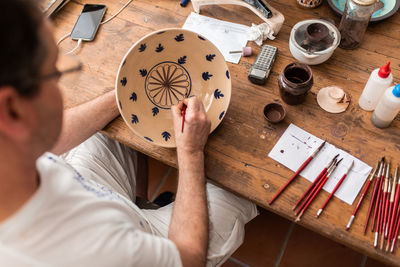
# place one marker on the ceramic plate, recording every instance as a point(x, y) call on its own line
point(160, 70)
point(390, 7)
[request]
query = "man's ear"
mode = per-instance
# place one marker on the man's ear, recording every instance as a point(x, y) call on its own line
point(13, 114)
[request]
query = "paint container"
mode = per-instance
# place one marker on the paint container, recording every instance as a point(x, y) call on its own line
point(274, 112)
point(294, 82)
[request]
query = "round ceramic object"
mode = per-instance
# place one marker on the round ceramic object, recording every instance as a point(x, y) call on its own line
point(160, 70)
point(389, 8)
point(309, 3)
point(274, 112)
point(333, 99)
point(313, 41)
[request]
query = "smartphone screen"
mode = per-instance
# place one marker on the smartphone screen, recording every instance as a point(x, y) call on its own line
point(88, 22)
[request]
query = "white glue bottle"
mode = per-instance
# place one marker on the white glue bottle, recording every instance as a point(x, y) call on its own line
point(387, 108)
point(379, 80)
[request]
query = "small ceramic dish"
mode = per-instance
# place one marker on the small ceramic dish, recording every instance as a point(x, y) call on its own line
point(309, 3)
point(160, 70)
point(274, 112)
point(389, 8)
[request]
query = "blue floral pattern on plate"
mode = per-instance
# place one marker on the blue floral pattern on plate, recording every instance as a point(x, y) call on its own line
point(133, 97)
point(221, 115)
point(142, 47)
point(148, 139)
point(123, 81)
point(135, 119)
point(166, 135)
point(218, 94)
point(159, 48)
point(179, 38)
point(210, 57)
point(155, 111)
point(206, 76)
point(143, 72)
point(182, 60)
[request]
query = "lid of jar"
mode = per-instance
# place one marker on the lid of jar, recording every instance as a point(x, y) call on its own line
point(315, 36)
point(364, 2)
point(333, 99)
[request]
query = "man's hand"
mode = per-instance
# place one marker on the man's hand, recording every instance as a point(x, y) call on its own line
point(196, 129)
point(189, 222)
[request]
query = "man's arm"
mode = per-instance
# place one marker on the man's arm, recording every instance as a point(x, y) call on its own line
point(81, 122)
point(189, 222)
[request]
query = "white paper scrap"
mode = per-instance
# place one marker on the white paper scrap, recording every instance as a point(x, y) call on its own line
point(226, 36)
point(296, 145)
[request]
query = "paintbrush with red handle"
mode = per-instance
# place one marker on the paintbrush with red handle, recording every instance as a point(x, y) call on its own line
point(183, 115)
point(391, 205)
point(381, 205)
point(335, 189)
point(321, 185)
point(378, 197)
point(321, 180)
point(395, 237)
point(372, 174)
point(316, 181)
point(374, 193)
point(394, 210)
point(385, 213)
point(297, 172)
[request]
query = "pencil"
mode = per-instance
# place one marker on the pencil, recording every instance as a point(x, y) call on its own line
point(297, 172)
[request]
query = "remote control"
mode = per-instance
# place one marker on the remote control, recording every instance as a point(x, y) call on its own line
point(259, 72)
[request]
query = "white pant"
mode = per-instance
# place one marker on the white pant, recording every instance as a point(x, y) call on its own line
point(113, 164)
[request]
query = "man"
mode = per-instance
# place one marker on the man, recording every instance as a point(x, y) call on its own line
point(78, 209)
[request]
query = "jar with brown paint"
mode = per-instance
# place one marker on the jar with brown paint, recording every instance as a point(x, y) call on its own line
point(294, 82)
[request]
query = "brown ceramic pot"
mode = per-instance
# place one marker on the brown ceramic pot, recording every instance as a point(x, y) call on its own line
point(294, 82)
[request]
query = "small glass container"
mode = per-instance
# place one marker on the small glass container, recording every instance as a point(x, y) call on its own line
point(354, 23)
point(294, 82)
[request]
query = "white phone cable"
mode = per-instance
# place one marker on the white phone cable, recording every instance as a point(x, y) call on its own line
point(103, 22)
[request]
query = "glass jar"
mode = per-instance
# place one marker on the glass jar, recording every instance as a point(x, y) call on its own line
point(294, 82)
point(354, 23)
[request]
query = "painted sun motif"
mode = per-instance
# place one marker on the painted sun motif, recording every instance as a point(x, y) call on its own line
point(167, 83)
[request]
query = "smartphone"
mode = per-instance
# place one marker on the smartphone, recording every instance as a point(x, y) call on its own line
point(88, 22)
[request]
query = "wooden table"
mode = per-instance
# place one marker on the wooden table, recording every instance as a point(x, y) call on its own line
point(237, 150)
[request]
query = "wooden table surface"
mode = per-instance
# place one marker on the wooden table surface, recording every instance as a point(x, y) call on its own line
point(237, 151)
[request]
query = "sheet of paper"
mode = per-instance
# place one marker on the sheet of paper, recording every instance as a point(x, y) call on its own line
point(226, 36)
point(296, 145)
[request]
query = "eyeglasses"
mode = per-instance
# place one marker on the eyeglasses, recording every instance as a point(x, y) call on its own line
point(66, 64)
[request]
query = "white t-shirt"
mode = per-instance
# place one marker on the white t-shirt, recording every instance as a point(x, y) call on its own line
point(73, 221)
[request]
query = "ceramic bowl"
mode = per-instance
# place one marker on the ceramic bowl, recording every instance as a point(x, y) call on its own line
point(161, 69)
point(309, 57)
point(274, 112)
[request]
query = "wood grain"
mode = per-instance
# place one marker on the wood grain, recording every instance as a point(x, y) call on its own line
point(237, 151)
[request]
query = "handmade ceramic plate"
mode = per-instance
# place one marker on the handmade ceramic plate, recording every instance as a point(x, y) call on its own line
point(159, 71)
point(389, 8)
